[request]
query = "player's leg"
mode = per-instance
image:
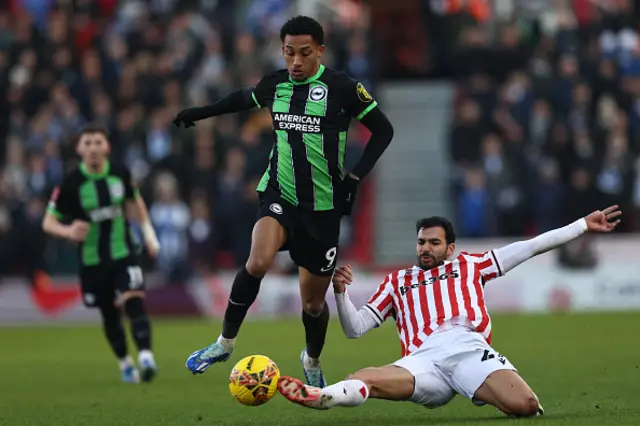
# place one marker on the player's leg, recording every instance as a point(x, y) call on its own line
point(314, 249)
point(487, 377)
point(391, 382)
point(315, 318)
point(128, 280)
point(114, 332)
point(388, 382)
point(268, 236)
point(96, 294)
point(509, 393)
point(132, 303)
point(316, 261)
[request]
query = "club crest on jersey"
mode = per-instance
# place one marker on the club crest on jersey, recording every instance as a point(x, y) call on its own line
point(317, 93)
point(116, 189)
point(363, 95)
point(276, 208)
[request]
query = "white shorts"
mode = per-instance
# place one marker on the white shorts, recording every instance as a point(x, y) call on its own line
point(455, 361)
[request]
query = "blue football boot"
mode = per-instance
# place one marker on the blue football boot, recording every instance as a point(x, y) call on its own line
point(200, 360)
point(129, 374)
point(313, 375)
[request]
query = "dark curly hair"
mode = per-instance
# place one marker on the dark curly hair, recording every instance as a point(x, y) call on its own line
point(303, 25)
point(437, 221)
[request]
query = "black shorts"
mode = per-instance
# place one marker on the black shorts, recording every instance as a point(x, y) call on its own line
point(103, 284)
point(312, 237)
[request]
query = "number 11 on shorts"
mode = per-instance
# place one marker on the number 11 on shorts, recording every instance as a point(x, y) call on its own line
point(135, 277)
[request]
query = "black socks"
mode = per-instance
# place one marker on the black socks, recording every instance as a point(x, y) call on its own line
point(114, 331)
point(243, 293)
point(315, 329)
point(140, 324)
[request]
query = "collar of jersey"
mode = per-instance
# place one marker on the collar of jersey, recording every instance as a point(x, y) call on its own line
point(95, 176)
point(310, 79)
point(446, 262)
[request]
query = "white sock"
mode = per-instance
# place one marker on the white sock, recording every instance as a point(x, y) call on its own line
point(228, 344)
point(125, 362)
point(349, 393)
point(145, 355)
point(310, 362)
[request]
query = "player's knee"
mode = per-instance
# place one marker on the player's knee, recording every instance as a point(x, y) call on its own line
point(110, 315)
point(358, 375)
point(259, 264)
point(526, 405)
point(134, 307)
point(312, 307)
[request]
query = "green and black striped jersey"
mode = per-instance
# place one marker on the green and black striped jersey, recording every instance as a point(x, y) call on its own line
point(310, 119)
point(100, 199)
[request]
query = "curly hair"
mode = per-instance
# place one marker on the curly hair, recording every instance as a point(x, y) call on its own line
point(303, 25)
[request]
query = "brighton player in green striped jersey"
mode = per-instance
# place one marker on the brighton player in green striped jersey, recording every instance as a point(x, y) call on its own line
point(89, 209)
point(305, 189)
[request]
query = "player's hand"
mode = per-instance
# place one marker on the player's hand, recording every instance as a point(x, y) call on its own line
point(348, 191)
point(603, 220)
point(187, 117)
point(342, 277)
point(78, 231)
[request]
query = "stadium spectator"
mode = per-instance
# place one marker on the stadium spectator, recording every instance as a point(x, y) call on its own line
point(171, 217)
point(552, 127)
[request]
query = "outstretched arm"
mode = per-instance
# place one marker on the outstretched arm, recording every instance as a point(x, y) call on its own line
point(240, 100)
point(512, 255)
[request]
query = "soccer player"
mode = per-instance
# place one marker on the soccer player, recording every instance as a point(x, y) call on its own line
point(443, 325)
point(92, 199)
point(305, 189)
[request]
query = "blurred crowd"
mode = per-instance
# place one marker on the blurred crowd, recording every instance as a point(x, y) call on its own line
point(547, 116)
point(131, 66)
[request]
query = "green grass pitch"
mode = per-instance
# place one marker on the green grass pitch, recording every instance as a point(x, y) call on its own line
point(584, 368)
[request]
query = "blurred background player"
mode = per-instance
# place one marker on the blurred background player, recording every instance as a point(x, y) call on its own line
point(443, 324)
point(305, 190)
point(89, 208)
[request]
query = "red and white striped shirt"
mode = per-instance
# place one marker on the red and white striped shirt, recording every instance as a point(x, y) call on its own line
point(421, 301)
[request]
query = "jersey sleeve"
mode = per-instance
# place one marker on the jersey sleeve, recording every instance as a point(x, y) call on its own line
point(358, 102)
point(381, 303)
point(61, 203)
point(263, 91)
point(487, 264)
